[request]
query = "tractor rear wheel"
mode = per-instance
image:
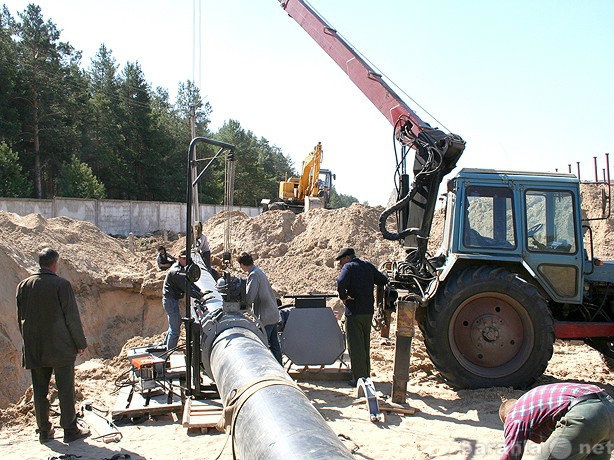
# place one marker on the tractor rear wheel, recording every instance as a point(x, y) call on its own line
point(489, 327)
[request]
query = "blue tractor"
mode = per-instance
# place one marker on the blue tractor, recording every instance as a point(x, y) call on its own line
point(511, 275)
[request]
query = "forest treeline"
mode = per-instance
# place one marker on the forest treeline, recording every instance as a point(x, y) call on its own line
point(102, 131)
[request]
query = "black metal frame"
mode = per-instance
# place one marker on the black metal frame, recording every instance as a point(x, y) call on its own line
point(188, 320)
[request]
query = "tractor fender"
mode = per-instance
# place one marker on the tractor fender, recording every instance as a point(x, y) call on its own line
point(447, 267)
point(456, 262)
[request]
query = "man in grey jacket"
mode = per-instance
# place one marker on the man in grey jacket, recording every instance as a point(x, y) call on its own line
point(52, 333)
point(263, 302)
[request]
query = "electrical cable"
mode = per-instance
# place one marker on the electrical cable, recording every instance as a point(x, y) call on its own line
point(125, 382)
point(103, 414)
point(168, 389)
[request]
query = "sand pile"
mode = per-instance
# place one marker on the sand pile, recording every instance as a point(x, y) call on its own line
point(117, 291)
point(298, 251)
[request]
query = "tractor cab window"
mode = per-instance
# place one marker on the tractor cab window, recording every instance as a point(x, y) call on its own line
point(550, 221)
point(489, 218)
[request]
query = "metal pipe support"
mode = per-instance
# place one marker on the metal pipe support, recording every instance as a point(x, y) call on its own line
point(402, 352)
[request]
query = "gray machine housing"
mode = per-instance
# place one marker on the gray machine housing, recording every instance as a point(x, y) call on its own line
point(311, 335)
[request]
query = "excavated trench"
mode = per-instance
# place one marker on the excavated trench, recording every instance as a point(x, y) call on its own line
point(119, 292)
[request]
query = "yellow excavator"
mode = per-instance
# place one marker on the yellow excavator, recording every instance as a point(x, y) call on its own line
point(308, 191)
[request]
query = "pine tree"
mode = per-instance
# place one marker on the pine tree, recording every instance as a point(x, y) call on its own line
point(104, 139)
point(13, 182)
point(76, 180)
point(9, 117)
point(52, 91)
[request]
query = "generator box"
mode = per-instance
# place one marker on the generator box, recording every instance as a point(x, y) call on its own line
point(148, 371)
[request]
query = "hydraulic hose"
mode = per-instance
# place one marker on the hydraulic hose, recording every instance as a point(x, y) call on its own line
point(383, 219)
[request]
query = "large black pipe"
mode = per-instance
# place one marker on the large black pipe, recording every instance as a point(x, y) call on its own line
point(274, 420)
point(278, 421)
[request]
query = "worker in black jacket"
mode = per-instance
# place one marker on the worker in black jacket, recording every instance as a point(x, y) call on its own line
point(164, 259)
point(172, 291)
point(355, 286)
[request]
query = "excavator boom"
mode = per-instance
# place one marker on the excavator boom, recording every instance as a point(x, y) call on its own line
point(308, 182)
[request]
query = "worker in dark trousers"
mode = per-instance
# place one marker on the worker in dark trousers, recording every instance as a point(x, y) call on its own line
point(52, 333)
point(355, 286)
point(262, 301)
point(574, 421)
point(173, 290)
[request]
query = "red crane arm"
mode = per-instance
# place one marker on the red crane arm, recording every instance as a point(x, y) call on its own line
point(360, 72)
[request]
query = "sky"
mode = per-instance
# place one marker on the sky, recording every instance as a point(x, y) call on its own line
point(529, 85)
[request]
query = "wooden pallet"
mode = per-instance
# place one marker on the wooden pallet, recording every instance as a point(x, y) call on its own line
point(131, 403)
point(201, 414)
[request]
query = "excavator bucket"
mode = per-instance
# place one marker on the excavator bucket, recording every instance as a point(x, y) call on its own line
point(313, 202)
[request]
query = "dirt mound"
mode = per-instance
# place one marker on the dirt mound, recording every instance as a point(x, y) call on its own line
point(117, 291)
point(297, 251)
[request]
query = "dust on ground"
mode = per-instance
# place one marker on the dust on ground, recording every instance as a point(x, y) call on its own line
point(118, 288)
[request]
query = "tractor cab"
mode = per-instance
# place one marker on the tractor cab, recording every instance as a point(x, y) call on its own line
point(528, 221)
point(512, 275)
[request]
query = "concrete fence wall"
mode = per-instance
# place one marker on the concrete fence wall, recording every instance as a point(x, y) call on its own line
point(116, 217)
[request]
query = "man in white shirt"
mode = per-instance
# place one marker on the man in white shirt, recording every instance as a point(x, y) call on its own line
point(201, 244)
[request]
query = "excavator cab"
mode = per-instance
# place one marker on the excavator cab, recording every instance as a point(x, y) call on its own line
point(325, 184)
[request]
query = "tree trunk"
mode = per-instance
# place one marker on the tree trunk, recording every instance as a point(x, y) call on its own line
point(38, 183)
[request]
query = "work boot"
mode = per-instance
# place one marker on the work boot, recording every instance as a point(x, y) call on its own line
point(45, 436)
point(77, 433)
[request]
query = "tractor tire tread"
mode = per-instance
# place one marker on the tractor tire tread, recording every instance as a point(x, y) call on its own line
point(491, 278)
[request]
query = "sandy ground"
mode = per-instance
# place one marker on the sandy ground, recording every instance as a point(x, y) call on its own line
point(451, 424)
point(119, 294)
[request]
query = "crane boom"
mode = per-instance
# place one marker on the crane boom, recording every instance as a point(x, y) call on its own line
point(436, 152)
point(358, 70)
